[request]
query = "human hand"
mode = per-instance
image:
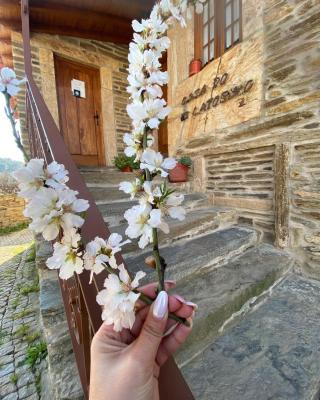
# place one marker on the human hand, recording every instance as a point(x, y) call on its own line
point(126, 365)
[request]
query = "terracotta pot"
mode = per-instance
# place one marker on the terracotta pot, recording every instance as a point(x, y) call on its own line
point(195, 67)
point(126, 169)
point(179, 173)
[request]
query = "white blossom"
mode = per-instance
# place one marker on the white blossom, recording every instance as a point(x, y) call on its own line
point(157, 221)
point(9, 82)
point(154, 162)
point(100, 252)
point(154, 24)
point(149, 113)
point(142, 218)
point(34, 176)
point(118, 299)
point(169, 7)
point(134, 144)
point(52, 209)
point(149, 193)
point(138, 226)
point(131, 188)
point(30, 178)
point(66, 255)
point(56, 175)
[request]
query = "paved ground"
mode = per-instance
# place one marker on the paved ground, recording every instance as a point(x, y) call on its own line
point(21, 346)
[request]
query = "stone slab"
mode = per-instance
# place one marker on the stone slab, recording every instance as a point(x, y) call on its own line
point(197, 222)
point(106, 176)
point(224, 291)
point(113, 212)
point(108, 194)
point(51, 304)
point(274, 353)
point(188, 256)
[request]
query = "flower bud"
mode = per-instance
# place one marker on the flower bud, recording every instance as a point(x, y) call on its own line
point(150, 261)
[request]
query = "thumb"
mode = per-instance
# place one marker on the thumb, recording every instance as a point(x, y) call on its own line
point(153, 328)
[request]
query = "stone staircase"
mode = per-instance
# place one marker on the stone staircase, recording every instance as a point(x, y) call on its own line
point(255, 334)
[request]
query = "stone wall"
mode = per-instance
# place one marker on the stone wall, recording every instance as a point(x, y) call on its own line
point(305, 205)
point(276, 128)
point(11, 211)
point(109, 58)
point(236, 177)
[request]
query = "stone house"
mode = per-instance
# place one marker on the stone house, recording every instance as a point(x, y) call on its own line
point(244, 92)
point(250, 117)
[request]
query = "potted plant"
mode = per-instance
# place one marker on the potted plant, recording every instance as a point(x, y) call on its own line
point(125, 163)
point(195, 67)
point(180, 172)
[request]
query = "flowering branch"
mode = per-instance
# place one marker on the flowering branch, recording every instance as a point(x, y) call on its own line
point(9, 86)
point(58, 214)
point(147, 110)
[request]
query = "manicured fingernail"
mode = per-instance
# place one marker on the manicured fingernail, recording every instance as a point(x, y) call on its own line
point(194, 305)
point(170, 282)
point(188, 303)
point(160, 306)
point(190, 320)
point(170, 330)
point(179, 298)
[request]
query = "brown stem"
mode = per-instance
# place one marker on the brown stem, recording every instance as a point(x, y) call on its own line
point(160, 264)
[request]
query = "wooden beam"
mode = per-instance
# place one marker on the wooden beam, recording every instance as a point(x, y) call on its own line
point(87, 24)
point(63, 20)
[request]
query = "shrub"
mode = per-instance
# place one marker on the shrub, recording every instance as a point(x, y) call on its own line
point(185, 160)
point(121, 161)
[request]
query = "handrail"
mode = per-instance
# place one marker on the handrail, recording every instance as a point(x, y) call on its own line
point(83, 312)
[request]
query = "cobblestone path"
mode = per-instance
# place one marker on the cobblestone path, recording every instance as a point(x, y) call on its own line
point(21, 346)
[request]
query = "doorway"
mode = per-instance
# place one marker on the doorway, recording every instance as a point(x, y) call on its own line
point(79, 104)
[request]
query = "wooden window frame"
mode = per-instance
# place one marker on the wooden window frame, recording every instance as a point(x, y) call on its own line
point(219, 31)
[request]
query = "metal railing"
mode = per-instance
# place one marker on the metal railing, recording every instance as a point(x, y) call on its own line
point(79, 297)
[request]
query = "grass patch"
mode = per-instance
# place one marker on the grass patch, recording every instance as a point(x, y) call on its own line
point(23, 313)
point(14, 228)
point(32, 288)
point(14, 379)
point(33, 337)
point(15, 303)
point(22, 331)
point(3, 335)
point(36, 353)
point(9, 273)
point(32, 254)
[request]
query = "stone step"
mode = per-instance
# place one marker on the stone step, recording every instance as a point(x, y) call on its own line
point(105, 177)
point(107, 169)
point(113, 212)
point(197, 222)
point(223, 291)
point(108, 193)
point(273, 353)
point(201, 253)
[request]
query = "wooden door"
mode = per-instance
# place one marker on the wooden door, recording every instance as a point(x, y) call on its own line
point(80, 118)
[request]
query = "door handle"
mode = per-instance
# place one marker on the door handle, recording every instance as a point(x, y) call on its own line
point(96, 117)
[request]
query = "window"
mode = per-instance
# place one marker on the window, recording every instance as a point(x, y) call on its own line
point(217, 29)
